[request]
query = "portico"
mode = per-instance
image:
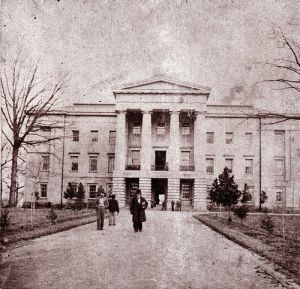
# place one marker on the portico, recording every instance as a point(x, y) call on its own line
point(160, 134)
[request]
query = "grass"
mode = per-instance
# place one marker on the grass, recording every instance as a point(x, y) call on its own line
point(20, 223)
point(282, 246)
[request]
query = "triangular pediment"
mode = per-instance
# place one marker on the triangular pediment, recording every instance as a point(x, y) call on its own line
point(161, 84)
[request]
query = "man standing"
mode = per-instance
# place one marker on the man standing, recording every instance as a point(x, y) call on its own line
point(113, 207)
point(138, 206)
point(172, 205)
point(101, 205)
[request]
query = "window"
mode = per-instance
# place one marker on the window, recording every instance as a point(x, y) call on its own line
point(92, 191)
point(136, 129)
point(43, 188)
point(94, 135)
point(209, 165)
point(74, 163)
point(229, 137)
point(109, 188)
point(210, 137)
point(112, 137)
point(279, 137)
point(251, 191)
point(185, 158)
point(249, 138)
point(185, 128)
point(186, 191)
point(111, 163)
point(229, 164)
point(45, 128)
point(248, 166)
point(161, 128)
point(93, 164)
point(279, 196)
point(135, 157)
point(45, 163)
point(75, 135)
point(279, 167)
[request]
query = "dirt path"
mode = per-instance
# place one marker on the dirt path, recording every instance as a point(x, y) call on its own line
point(173, 251)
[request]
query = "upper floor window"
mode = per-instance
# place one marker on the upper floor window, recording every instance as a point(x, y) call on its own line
point(74, 163)
point(45, 128)
point(248, 166)
point(92, 191)
point(136, 129)
point(209, 165)
point(93, 163)
point(279, 137)
point(45, 163)
point(185, 128)
point(44, 189)
point(279, 166)
point(111, 163)
point(75, 135)
point(135, 157)
point(161, 128)
point(185, 158)
point(210, 137)
point(94, 135)
point(229, 164)
point(229, 137)
point(112, 137)
point(249, 138)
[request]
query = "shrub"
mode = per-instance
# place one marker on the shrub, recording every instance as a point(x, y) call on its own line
point(4, 219)
point(267, 223)
point(52, 216)
point(241, 212)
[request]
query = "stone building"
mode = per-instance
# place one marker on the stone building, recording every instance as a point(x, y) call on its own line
point(161, 136)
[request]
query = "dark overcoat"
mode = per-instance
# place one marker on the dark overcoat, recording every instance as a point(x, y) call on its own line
point(138, 209)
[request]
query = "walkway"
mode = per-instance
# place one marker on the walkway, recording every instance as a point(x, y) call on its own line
point(173, 251)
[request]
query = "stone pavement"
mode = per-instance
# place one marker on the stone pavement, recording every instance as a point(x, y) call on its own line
point(173, 251)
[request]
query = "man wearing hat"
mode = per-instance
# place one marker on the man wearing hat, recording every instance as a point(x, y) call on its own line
point(138, 206)
point(113, 207)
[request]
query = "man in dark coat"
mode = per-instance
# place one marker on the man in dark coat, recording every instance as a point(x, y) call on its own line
point(113, 207)
point(101, 205)
point(138, 206)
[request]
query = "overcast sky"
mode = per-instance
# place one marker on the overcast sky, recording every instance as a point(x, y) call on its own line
point(99, 44)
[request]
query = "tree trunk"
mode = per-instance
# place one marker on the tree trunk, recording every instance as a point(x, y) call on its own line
point(13, 176)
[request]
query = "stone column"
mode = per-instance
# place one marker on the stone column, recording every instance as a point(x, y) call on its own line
point(120, 147)
point(120, 157)
point(174, 153)
point(146, 144)
point(200, 193)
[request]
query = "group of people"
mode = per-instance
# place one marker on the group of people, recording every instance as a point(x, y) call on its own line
point(102, 204)
point(138, 205)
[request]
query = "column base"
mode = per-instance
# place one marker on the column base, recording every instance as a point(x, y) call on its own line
point(200, 195)
point(119, 190)
point(145, 187)
point(173, 191)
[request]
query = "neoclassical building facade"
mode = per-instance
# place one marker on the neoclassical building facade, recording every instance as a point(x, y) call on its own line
point(163, 137)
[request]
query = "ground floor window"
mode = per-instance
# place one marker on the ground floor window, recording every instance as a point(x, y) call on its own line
point(279, 195)
point(44, 189)
point(92, 191)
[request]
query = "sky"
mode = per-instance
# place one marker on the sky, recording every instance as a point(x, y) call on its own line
point(103, 43)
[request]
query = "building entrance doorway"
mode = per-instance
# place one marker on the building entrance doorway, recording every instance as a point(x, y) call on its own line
point(132, 184)
point(159, 189)
point(160, 160)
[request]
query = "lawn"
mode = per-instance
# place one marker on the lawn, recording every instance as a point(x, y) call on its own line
point(282, 246)
point(20, 225)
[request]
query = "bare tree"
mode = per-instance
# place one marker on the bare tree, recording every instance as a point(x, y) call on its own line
point(288, 70)
point(26, 101)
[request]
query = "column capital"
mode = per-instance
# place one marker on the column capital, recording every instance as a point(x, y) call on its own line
point(197, 112)
point(147, 111)
point(174, 111)
point(120, 111)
